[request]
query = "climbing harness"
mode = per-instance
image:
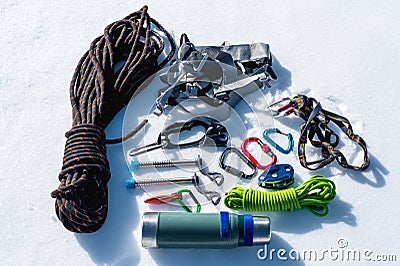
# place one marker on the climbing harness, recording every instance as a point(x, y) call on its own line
point(316, 129)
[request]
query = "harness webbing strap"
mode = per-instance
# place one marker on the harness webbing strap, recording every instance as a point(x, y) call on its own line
point(316, 130)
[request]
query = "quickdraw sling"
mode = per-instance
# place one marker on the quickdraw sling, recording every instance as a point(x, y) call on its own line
point(316, 129)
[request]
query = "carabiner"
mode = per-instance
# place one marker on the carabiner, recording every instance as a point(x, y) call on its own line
point(266, 149)
point(235, 171)
point(178, 196)
point(274, 144)
point(277, 176)
point(282, 107)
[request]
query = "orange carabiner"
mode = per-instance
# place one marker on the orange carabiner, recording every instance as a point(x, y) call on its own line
point(265, 148)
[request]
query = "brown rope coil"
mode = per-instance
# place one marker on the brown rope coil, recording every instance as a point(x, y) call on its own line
point(103, 83)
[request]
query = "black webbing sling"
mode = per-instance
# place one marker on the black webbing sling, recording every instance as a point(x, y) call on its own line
point(316, 129)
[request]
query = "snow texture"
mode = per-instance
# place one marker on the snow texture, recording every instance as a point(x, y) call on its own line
point(344, 53)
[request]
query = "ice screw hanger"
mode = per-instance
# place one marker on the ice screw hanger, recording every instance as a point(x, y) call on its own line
point(266, 149)
point(274, 144)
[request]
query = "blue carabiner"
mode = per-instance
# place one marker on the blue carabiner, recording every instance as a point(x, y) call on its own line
point(274, 144)
point(277, 176)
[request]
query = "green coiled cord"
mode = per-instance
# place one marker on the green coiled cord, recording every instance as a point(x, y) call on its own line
point(314, 195)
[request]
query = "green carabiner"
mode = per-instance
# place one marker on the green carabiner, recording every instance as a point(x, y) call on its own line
point(186, 208)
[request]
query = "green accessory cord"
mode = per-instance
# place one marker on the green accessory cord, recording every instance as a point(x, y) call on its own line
point(314, 195)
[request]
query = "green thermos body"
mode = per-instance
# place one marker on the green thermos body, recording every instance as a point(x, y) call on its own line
point(203, 230)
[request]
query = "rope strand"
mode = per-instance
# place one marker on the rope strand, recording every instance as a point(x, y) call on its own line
point(314, 195)
point(99, 89)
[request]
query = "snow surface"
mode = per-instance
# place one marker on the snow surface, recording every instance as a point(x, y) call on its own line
point(344, 53)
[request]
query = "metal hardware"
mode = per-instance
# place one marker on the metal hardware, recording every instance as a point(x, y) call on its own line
point(274, 144)
point(266, 149)
point(133, 183)
point(215, 134)
point(201, 64)
point(136, 165)
point(235, 171)
point(223, 73)
point(212, 196)
point(216, 177)
point(147, 148)
point(282, 107)
point(277, 176)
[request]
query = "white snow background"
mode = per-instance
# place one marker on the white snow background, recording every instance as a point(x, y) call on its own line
point(344, 53)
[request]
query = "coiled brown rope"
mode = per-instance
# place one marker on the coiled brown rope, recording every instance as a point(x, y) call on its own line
point(99, 89)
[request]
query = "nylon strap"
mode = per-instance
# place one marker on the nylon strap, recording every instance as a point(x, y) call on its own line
point(316, 130)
